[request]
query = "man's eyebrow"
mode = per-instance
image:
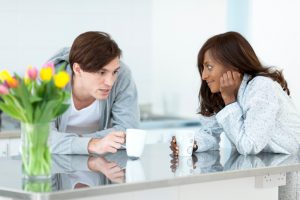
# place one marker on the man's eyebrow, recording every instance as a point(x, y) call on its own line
point(106, 70)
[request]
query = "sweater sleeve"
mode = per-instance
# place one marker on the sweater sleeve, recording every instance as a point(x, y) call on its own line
point(208, 136)
point(250, 128)
point(67, 143)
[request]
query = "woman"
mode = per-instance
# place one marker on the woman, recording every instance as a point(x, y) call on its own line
point(247, 101)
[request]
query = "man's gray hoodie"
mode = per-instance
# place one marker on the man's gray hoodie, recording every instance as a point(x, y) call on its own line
point(118, 112)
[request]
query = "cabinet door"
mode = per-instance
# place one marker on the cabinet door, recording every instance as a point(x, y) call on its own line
point(14, 146)
point(3, 147)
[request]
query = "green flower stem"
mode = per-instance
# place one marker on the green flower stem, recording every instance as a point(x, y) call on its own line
point(36, 156)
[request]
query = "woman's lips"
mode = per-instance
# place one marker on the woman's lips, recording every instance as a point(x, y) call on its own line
point(210, 82)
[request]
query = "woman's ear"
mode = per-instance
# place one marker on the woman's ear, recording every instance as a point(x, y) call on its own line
point(77, 69)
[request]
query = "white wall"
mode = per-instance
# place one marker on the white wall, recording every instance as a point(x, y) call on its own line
point(179, 30)
point(275, 35)
point(160, 39)
point(32, 30)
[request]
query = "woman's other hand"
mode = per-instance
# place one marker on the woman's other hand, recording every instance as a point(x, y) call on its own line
point(174, 147)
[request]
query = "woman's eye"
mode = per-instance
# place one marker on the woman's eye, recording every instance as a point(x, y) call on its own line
point(209, 67)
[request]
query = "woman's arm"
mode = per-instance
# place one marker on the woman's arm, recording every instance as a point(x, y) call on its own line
point(251, 128)
point(208, 136)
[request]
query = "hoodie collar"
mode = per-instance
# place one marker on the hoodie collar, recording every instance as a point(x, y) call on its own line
point(243, 86)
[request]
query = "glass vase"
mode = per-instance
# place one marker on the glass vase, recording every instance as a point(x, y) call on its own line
point(36, 157)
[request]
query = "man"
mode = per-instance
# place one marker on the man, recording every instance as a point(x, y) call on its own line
point(103, 101)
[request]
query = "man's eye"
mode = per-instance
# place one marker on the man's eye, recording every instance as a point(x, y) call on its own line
point(116, 72)
point(101, 72)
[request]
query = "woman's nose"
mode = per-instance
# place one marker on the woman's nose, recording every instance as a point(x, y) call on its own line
point(204, 74)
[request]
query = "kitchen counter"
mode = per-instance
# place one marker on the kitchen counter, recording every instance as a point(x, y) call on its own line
point(8, 134)
point(154, 171)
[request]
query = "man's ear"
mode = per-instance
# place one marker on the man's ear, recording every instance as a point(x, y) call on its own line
point(76, 69)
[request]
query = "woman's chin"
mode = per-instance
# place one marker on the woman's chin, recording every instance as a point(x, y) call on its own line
point(213, 91)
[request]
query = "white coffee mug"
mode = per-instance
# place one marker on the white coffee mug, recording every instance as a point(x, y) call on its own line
point(185, 141)
point(135, 142)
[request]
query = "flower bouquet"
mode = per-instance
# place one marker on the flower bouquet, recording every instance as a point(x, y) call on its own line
point(35, 101)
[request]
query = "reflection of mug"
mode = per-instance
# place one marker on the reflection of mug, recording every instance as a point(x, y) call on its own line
point(135, 141)
point(185, 142)
point(185, 166)
point(134, 171)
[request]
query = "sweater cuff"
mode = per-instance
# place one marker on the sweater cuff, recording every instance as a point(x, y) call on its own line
point(226, 111)
point(202, 143)
point(79, 145)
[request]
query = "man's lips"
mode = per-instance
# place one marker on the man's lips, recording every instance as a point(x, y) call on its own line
point(104, 90)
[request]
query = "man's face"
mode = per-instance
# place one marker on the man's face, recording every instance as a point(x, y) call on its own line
point(99, 84)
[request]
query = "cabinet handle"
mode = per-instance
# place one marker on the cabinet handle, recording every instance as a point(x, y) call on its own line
point(7, 150)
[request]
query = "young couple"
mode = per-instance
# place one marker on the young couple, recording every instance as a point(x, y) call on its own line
point(238, 96)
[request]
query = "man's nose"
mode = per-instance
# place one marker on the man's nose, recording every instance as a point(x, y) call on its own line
point(109, 80)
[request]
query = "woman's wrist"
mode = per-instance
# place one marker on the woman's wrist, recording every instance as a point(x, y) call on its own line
point(229, 100)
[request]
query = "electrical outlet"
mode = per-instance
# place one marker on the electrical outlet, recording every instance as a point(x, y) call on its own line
point(270, 180)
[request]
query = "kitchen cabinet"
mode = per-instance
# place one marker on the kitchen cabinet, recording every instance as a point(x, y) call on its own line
point(4, 143)
point(9, 147)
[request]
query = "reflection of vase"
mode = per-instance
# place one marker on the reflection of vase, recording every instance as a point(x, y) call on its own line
point(36, 157)
point(37, 185)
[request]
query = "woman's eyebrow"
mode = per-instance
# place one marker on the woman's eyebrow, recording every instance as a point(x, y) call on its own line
point(206, 63)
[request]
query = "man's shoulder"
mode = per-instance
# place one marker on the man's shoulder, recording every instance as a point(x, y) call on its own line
point(124, 72)
point(124, 68)
point(61, 55)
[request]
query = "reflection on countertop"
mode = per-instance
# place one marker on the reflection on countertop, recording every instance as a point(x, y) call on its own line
point(71, 172)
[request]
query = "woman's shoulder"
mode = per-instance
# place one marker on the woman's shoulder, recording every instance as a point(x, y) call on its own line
point(263, 83)
point(263, 88)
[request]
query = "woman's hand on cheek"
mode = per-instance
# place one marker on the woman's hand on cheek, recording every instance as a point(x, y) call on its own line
point(229, 86)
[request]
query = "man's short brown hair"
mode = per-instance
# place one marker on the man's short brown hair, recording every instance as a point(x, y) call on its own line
point(93, 50)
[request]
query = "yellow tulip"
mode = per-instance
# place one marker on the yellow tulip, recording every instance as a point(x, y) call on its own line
point(46, 73)
point(4, 75)
point(61, 79)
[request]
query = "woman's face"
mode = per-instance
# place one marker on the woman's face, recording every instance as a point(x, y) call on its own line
point(212, 72)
